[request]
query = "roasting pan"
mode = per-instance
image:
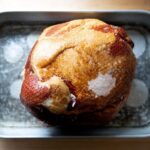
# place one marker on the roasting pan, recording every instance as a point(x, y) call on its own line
point(18, 32)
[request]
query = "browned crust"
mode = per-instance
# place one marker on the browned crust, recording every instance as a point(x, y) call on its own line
point(96, 118)
point(74, 67)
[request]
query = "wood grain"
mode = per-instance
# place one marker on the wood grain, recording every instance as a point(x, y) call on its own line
point(73, 144)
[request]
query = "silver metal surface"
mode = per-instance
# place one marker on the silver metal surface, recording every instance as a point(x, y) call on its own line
point(18, 32)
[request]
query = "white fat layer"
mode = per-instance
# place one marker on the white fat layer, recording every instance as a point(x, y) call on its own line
point(44, 53)
point(57, 104)
point(47, 102)
point(55, 107)
point(46, 49)
point(102, 84)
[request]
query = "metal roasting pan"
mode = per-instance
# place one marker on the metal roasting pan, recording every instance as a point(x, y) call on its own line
point(18, 32)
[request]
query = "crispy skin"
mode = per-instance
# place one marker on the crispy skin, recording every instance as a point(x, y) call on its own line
point(77, 51)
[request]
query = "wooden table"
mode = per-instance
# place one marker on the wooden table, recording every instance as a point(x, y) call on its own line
point(76, 144)
point(72, 144)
